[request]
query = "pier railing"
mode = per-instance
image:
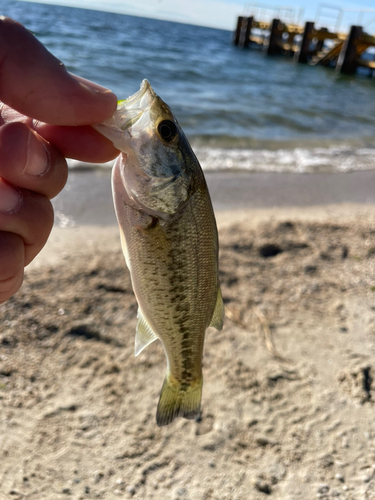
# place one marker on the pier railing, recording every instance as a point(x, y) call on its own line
point(308, 44)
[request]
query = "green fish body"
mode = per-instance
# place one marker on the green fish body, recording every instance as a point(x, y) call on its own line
point(170, 242)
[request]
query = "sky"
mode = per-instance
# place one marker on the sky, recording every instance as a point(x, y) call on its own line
point(223, 13)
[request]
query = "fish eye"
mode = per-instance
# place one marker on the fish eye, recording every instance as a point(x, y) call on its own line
point(167, 130)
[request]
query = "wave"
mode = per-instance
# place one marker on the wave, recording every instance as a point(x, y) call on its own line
point(297, 160)
point(332, 159)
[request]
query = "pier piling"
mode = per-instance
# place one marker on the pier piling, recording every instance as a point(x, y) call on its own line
point(348, 59)
point(274, 42)
point(302, 56)
point(323, 32)
point(246, 32)
point(237, 35)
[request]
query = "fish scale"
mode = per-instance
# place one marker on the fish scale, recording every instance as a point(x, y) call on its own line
point(156, 275)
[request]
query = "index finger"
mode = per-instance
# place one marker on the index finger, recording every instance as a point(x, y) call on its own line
point(35, 83)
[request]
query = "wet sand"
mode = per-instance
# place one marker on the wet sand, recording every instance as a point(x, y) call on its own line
point(87, 197)
point(289, 393)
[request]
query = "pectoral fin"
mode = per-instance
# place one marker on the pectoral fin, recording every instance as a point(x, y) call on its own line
point(144, 334)
point(218, 315)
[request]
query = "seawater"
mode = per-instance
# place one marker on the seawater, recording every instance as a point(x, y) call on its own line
point(240, 109)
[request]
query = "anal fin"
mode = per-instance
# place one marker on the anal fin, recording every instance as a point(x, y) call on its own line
point(218, 315)
point(144, 334)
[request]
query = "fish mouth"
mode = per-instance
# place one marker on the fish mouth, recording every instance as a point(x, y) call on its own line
point(144, 88)
point(130, 110)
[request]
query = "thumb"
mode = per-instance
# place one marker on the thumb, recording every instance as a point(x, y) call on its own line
point(35, 83)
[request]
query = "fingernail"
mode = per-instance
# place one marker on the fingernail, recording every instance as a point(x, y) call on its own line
point(96, 89)
point(10, 198)
point(91, 86)
point(37, 156)
point(102, 93)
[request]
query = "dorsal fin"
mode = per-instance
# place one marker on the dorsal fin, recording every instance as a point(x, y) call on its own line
point(144, 334)
point(218, 315)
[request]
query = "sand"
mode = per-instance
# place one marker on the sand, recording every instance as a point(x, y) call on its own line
point(289, 383)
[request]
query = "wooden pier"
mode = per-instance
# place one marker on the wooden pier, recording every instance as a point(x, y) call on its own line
point(308, 44)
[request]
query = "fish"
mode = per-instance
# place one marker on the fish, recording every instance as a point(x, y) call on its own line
point(170, 242)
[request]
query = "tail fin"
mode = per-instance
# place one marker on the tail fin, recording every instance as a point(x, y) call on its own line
point(177, 400)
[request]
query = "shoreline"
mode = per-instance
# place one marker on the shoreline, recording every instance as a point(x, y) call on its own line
point(87, 197)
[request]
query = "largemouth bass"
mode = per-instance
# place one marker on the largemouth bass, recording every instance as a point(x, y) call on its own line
point(170, 242)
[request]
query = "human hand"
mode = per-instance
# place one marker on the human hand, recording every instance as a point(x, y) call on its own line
point(45, 116)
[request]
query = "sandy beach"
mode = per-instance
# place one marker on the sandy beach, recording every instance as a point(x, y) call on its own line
point(289, 391)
